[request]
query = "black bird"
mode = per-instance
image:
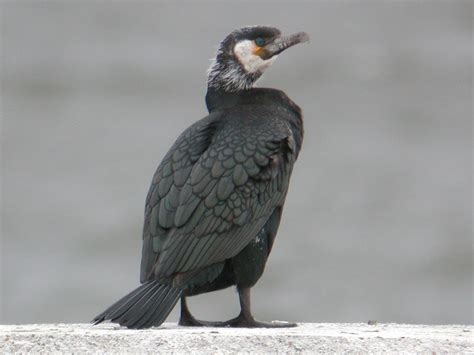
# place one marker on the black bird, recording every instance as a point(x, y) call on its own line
point(216, 199)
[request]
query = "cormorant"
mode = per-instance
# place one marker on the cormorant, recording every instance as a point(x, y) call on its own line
point(216, 199)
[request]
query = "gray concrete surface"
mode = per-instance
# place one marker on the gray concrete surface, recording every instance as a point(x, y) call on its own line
point(307, 337)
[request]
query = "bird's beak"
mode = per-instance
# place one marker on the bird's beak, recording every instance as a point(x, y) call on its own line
point(282, 43)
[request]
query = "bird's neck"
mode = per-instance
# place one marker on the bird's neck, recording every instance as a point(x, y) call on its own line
point(227, 84)
point(218, 99)
point(228, 76)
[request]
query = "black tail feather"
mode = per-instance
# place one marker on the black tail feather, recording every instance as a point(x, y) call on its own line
point(144, 307)
point(140, 307)
point(159, 313)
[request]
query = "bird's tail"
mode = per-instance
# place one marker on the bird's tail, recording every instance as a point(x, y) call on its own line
point(144, 307)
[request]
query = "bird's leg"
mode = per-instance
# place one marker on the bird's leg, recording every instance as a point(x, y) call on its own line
point(245, 318)
point(186, 319)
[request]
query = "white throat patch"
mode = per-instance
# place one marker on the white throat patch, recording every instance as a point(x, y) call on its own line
point(252, 63)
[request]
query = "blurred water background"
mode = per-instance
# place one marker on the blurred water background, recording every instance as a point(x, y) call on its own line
point(378, 221)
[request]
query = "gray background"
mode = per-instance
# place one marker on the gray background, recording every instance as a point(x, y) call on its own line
point(378, 221)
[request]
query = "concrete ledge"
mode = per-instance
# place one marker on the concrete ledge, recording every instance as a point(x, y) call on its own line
point(307, 337)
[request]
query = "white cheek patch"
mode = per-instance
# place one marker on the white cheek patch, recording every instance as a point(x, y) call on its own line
point(252, 63)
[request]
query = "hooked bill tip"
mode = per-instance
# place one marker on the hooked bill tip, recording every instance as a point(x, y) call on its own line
point(301, 37)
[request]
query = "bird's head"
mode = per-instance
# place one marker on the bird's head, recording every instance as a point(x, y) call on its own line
point(244, 55)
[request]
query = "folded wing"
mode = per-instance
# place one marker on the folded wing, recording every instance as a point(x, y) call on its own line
point(212, 194)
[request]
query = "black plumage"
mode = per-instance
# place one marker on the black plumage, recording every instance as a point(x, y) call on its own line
point(216, 199)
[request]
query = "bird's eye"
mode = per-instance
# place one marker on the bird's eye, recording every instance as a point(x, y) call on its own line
point(259, 41)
